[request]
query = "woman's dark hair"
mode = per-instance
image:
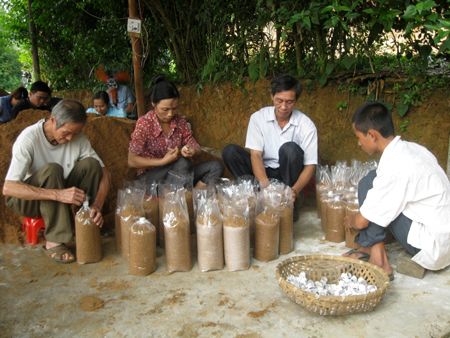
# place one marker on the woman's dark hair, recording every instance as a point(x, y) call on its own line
point(162, 89)
point(374, 115)
point(20, 93)
point(101, 94)
point(285, 82)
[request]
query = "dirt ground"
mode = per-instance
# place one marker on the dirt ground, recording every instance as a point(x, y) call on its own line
point(39, 298)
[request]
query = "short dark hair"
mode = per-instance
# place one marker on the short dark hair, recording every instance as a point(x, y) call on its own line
point(284, 82)
point(20, 93)
point(101, 94)
point(162, 89)
point(69, 110)
point(374, 115)
point(40, 86)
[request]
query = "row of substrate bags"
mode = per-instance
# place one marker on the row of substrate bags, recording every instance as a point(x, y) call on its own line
point(337, 198)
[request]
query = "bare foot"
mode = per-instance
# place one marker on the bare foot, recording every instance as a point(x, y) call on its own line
point(65, 257)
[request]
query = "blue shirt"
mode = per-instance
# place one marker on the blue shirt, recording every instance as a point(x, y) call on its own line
point(5, 109)
point(112, 111)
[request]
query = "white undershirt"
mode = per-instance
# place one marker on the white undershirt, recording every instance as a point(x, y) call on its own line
point(32, 150)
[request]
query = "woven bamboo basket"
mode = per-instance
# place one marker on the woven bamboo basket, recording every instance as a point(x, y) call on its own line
point(331, 267)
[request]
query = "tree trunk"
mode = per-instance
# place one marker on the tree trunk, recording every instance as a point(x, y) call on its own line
point(34, 47)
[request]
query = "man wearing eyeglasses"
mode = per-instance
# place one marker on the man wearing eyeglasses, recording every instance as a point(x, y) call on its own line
point(39, 95)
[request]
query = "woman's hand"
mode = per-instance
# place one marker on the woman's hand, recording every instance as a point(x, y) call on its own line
point(187, 151)
point(172, 155)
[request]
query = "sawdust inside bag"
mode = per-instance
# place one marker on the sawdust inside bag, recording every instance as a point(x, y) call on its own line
point(351, 209)
point(335, 220)
point(88, 243)
point(267, 235)
point(210, 236)
point(129, 216)
point(142, 248)
point(177, 232)
point(236, 233)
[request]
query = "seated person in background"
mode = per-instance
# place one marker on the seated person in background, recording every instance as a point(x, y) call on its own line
point(162, 140)
point(102, 107)
point(39, 94)
point(120, 96)
point(408, 193)
point(281, 139)
point(53, 166)
point(51, 102)
point(9, 101)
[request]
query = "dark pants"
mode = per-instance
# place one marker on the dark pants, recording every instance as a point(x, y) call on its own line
point(375, 233)
point(290, 156)
point(85, 175)
point(207, 171)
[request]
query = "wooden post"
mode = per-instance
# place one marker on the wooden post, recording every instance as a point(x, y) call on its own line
point(138, 82)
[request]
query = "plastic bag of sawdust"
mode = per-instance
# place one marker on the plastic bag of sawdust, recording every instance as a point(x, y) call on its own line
point(286, 210)
point(117, 214)
point(248, 187)
point(323, 184)
point(185, 180)
point(131, 211)
point(267, 232)
point(236, 237)
point(209, 235)
point(164, 187)
point(177, 232)
point(142, 247)
point(88, 244)
point(335, 219)
point(351, 209)
point(150, 202)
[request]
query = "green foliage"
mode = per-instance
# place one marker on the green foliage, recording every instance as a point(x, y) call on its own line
point(211, 41)
point(404, 126)
point(402, 109)
point(341, 105)
point(10, 66)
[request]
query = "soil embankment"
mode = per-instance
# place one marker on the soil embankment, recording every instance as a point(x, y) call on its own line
point(220, 116)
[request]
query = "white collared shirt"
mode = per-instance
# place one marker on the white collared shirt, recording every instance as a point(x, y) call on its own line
point(264, 134)
point(410, 181)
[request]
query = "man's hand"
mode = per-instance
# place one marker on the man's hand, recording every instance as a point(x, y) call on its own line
point(71, 196)
point(294, 194)
point(187, 151)
point(348, 224)
point(96, 216)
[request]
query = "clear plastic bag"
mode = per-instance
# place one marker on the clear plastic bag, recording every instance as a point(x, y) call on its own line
point(185, 180)
point(209, 235)
point(267, 231)
point(286, 221)
point(88, 243)
point(177, 232)
point(351, 209)
point(323, 185)
point(335, 220)
point(131, 211)
point(142, 247)
point(117, 214)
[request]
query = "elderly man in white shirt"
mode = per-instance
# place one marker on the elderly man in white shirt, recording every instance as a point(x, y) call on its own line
point(281, 139)
point(409, 193)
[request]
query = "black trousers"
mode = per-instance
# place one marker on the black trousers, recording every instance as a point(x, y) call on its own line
point(290, 156)
point(207, 171)
point(375, 233)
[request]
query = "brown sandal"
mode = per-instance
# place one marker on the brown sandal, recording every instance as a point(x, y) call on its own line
point(59, 252)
